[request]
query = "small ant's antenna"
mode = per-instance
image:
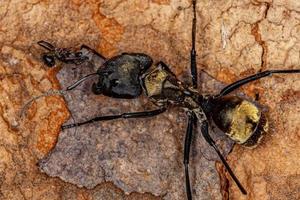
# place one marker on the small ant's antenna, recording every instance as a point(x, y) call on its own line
point(74, 85)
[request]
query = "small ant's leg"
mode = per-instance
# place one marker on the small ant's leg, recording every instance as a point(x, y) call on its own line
point(46, 45)
point(124, 116)
point(254, 77)
point(187, 145)
point(211, 142)
point(77, 57)
point(62, 54)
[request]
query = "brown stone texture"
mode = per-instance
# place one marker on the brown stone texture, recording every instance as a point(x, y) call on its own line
point(142, 159)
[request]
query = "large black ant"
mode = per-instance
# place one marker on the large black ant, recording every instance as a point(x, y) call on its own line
point(128, 75)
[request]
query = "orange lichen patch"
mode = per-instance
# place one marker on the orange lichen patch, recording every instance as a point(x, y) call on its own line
point(290, 96)
point(224, 183)
point(111, 31)
point(77, 2)
point(51, 76)
point(50, 127)
point(247, 72)
point(251, 89)
point(226, 76)
point(141, 5)
point(83, 195)
point(255, 32)
point(106, 49)
point(161, 2)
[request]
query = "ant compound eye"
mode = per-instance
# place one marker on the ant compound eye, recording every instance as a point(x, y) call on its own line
point(96, 88)
point(48, 60)
point(114, 82)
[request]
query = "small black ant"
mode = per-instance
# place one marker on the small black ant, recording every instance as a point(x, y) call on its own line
point(128, 75)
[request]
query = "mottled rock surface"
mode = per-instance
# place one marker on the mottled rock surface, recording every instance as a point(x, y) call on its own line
point(234, 39)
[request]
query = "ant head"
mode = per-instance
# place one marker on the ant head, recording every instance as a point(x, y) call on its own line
point(119, 77)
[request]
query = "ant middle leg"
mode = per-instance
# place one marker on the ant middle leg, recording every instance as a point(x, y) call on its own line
point(191, 116)
point(187, 147)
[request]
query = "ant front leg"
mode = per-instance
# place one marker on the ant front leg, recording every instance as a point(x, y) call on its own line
point(143, 114)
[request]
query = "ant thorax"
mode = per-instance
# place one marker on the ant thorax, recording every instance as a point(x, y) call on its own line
point(163, 88)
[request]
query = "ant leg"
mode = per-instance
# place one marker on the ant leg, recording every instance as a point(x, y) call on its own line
point(187, 145)
point(85, 54)
point(192, 118)
point(211, 142)
point(193, 50)
point(124, 116)
point(254, 77)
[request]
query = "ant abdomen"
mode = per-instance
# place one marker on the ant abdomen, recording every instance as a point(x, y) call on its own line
point(240, 119)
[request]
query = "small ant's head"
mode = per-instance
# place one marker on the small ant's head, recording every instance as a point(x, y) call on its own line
point(49, 57)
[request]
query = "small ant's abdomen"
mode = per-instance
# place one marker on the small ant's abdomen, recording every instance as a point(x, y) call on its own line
point(119, 77)
point(240, 119)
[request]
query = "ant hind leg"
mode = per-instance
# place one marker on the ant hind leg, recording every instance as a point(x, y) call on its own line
point(233, 86)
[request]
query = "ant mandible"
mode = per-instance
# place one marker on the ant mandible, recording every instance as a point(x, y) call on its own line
point(128, 75)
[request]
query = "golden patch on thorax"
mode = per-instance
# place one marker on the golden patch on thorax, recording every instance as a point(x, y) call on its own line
point(154, 82)
point(244, 120)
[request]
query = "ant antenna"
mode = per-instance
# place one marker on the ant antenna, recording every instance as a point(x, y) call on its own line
point(74, 85)
point(48, 93)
